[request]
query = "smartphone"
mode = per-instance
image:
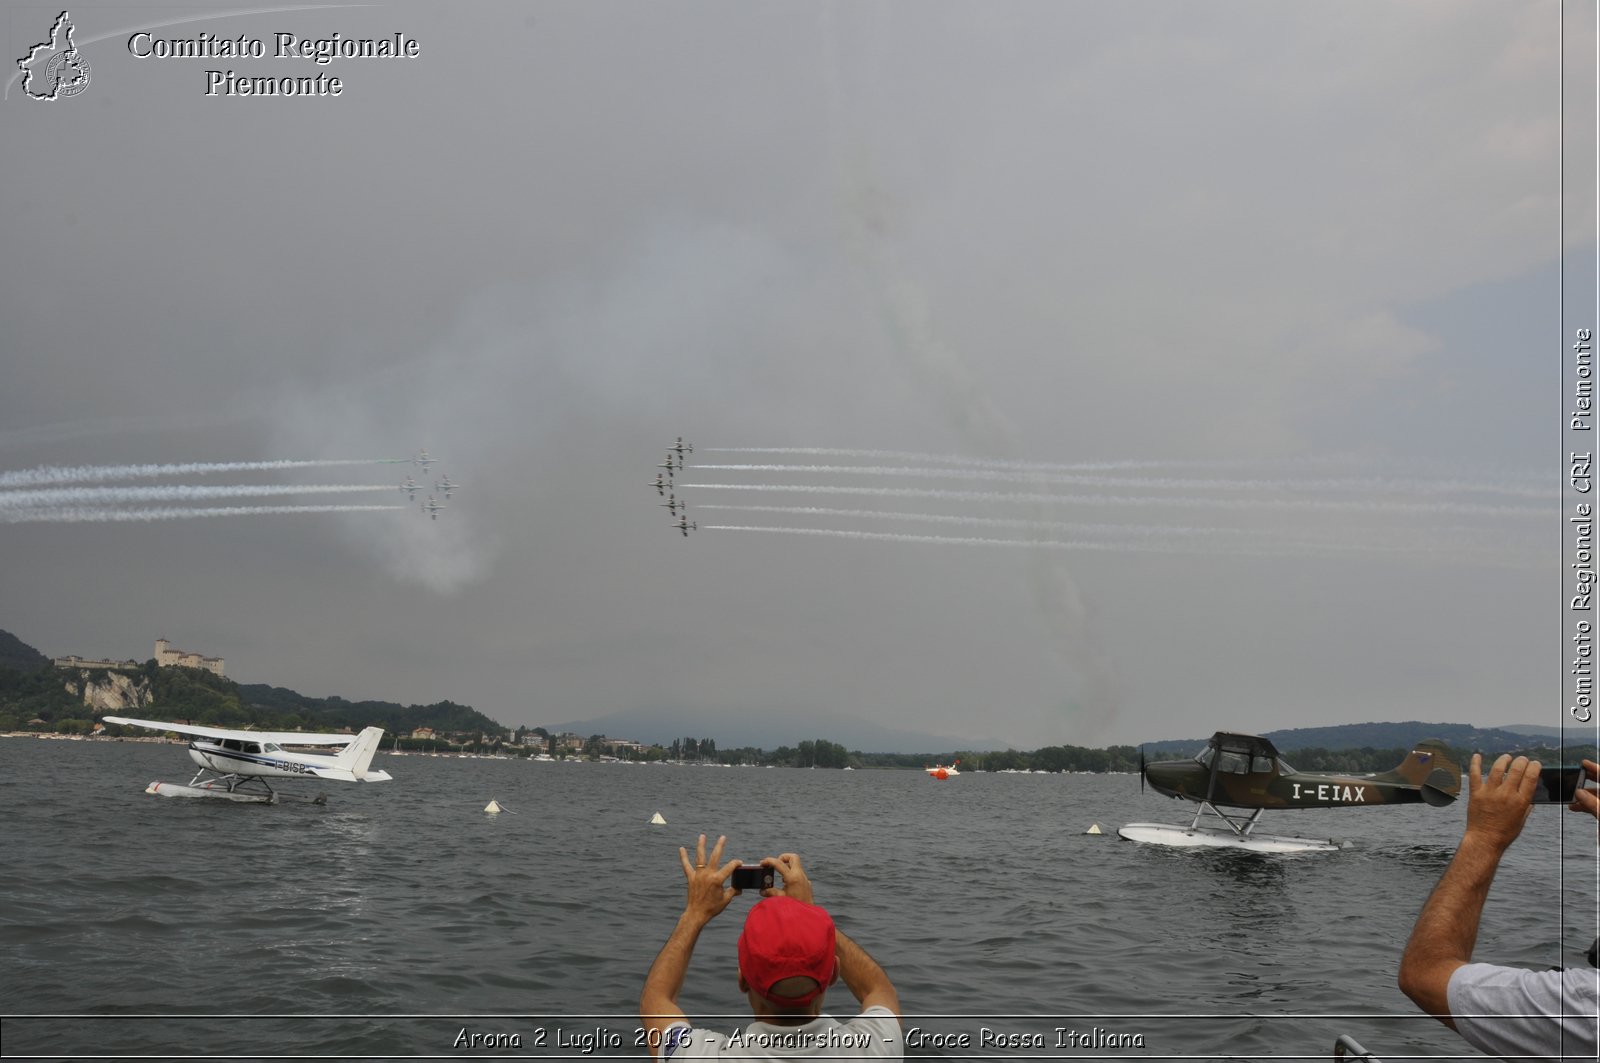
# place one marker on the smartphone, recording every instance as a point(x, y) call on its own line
point(1556, 785)
point(752, 877)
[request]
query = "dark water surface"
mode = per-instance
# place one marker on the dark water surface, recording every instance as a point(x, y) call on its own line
point(400, 914)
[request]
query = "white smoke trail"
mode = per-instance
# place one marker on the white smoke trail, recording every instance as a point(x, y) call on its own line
point(1275, 549)
point(1080, 480)
point(1377, 540)
point(75, 474)
point(104, 496)
point(1293, 504)
point(1497, 482)
point(990, 522)
point(93, 515)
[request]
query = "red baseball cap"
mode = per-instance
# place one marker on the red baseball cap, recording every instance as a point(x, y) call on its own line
point(786, 938)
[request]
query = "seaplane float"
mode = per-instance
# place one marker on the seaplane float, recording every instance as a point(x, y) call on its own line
point(235, 765)
point(1239, 771)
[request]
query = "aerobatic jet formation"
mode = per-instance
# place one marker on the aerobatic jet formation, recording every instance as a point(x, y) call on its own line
point(665, 481)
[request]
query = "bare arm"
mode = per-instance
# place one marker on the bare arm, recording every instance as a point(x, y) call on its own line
point(1447, 929)
point(658, 1001)
point(863, 976)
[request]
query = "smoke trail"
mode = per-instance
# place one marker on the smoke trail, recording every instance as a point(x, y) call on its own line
point(1280, 549)
point(989, 522)
point(102, 496)
point(1340, 538)
point(93, 515)
point(1498, 484)
point(1293, 504)
point(75, 474)
point(1041, 477)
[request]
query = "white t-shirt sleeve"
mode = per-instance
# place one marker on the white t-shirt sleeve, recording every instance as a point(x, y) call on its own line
point(1509, 1011)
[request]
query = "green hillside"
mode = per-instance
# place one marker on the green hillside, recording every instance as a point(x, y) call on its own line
point(38, 691)
point(18, 655)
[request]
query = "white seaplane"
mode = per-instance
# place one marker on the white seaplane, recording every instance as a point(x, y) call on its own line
point(944, 771)
point(235, 765)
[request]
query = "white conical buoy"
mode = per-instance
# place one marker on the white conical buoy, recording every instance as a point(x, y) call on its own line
point(1094, 828)
point(657, 820)
point(492, 807)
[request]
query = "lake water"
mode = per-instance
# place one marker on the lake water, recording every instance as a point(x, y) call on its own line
point(386, 922)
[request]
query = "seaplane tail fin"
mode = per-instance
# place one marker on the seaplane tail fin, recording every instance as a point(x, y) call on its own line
point(1432, 769)
point(355, 757)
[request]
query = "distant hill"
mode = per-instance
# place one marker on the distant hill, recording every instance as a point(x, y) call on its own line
point(30, 688)
point(18, 655)
point(1575, 733)
point(1384, 736)
point(323, 713)
point(733, 730)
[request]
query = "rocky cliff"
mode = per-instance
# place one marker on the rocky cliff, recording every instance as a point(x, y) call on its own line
point(105, 691)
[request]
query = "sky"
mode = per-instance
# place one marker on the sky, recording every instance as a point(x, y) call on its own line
point(1057, 372)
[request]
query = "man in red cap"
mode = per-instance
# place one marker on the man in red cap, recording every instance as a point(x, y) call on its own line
point(789, 954)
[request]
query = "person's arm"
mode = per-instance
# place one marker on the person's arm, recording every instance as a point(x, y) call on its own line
point(658, 1001)
point(1447, 929)
point(859, 971)
point(863, 976)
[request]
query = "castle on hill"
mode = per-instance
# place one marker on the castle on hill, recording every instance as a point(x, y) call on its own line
point(166, 657)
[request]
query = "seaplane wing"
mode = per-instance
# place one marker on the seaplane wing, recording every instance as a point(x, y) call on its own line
point(1242, 771)
point(237, 765)
point(282, 738)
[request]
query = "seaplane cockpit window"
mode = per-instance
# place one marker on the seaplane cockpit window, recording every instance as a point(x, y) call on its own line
point(1283, 767)
point(1204, 756)
point(271, 747)
point(1261, 764)
point(230, 743)
point(251, 747)
point(1233, 763)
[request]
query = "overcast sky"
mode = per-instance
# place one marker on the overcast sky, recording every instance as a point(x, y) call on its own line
point(1200, 364)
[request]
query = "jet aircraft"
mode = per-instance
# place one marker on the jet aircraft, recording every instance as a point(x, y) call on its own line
point(445, 485)
point(235, 765)
point(669, 466)
point(423, 460)
point(432, 507)
point(1245, 772)
point(410, 487)
point(681, 447)
point(660, 484)
point(672, 505)
point(686, 527)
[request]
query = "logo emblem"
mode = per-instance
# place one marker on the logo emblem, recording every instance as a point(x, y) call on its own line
point(55, 69)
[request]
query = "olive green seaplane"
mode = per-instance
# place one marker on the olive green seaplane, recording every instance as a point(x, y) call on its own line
point(1239, 771)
